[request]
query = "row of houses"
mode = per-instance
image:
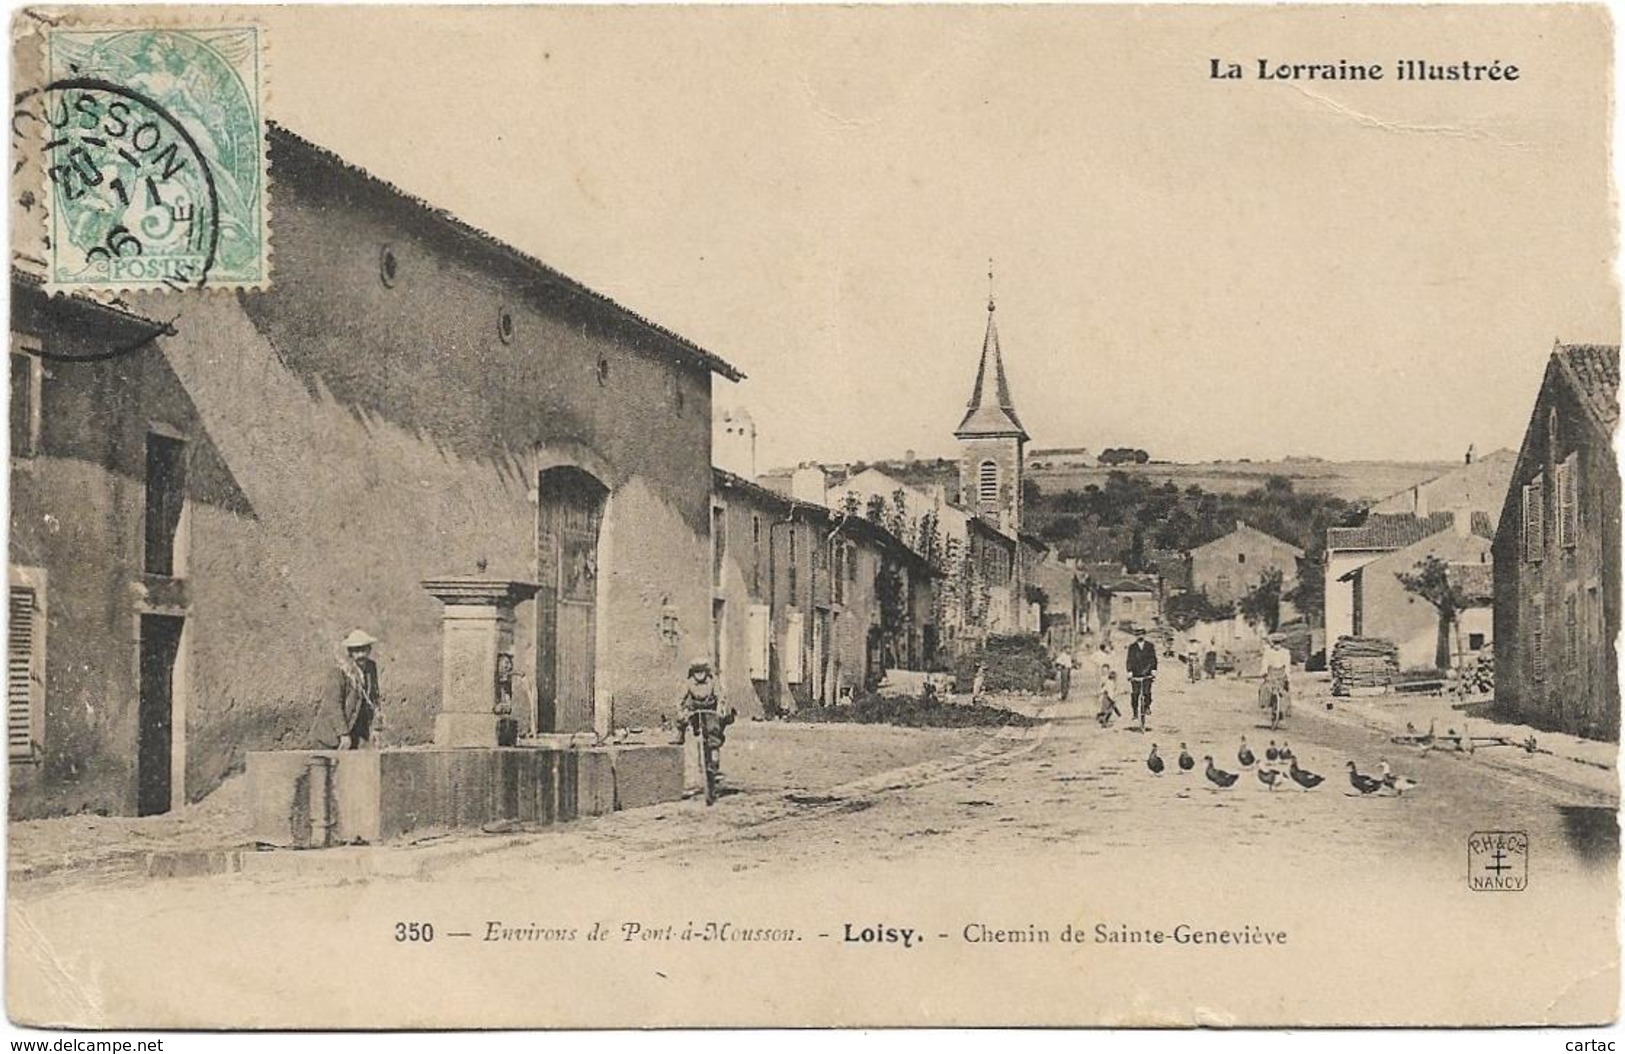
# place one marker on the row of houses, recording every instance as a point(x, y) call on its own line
point(810, 606)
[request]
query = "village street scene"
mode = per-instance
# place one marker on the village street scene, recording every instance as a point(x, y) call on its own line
point(425, 612)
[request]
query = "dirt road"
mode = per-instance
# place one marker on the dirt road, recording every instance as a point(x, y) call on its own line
point(1057, 830)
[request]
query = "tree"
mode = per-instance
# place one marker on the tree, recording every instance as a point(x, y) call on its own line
point(1309, 595)
point(1185, 610)
point(1262, 605)
point(1278, 486)
point(1431, 581)
point(1134, 561)
point(1123, 455)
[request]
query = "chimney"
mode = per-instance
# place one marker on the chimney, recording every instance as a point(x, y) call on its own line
point(809, 484)
point(1463, 522)
point(1469, 453)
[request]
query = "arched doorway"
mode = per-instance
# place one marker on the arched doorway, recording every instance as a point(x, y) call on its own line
point(570, 511)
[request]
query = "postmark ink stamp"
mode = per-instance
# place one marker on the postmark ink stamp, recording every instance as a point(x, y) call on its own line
point(1498, 861)
point(153, 157)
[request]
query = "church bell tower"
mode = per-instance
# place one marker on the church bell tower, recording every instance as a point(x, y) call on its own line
point(992, 441)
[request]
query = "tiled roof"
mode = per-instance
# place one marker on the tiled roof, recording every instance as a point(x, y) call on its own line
point(1476, 581)
point(1244, 528)
point(1398, 530)
point(281, 138)
point(1130, 585)
point(1388, 531)
point(1593, 371)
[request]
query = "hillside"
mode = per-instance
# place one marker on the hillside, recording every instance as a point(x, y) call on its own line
point(1353, 481)
point(1356, 482)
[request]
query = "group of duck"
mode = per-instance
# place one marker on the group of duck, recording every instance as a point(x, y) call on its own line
point(1271, 772)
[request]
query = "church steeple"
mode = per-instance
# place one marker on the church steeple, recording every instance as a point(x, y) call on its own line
point(991, 438)
point(990, 411)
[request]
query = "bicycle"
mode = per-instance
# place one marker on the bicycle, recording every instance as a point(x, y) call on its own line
point(709, 761)
point(1144, 706)
point(1277, 700)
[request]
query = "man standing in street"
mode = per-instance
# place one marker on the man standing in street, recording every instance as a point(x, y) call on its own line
point(1142, 670)
point(353, 698)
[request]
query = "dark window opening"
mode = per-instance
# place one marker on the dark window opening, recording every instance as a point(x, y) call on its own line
point(166, 498)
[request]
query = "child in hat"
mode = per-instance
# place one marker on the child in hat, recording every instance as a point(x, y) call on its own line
point(702, 710)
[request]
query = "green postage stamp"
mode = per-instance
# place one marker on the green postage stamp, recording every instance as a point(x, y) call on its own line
point(154, 158)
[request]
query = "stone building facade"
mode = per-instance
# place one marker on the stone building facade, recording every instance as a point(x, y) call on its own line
point(1228, 568)
point(1557, 554)
point(199, 521)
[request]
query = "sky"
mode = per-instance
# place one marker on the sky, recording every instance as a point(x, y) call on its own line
point(1205, 269)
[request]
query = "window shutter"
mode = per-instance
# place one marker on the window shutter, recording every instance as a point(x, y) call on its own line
point(1568, 505)
point(20, 734)
point(1534, 522)
point(794, 639)
point(758, 632)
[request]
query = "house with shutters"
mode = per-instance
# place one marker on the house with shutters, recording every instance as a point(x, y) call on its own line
point(1557, 553)
point(810, 605)
point(203, 507)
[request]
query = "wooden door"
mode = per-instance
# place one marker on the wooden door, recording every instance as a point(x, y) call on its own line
point(571, 509)
point(155, 733)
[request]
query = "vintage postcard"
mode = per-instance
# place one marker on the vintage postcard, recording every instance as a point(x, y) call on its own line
point(812, 516)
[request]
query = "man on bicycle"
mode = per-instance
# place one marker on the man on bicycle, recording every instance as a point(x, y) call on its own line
point(1142, 670)
point(704, 714)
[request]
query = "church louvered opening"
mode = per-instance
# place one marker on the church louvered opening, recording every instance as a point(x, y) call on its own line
point(987, 485)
